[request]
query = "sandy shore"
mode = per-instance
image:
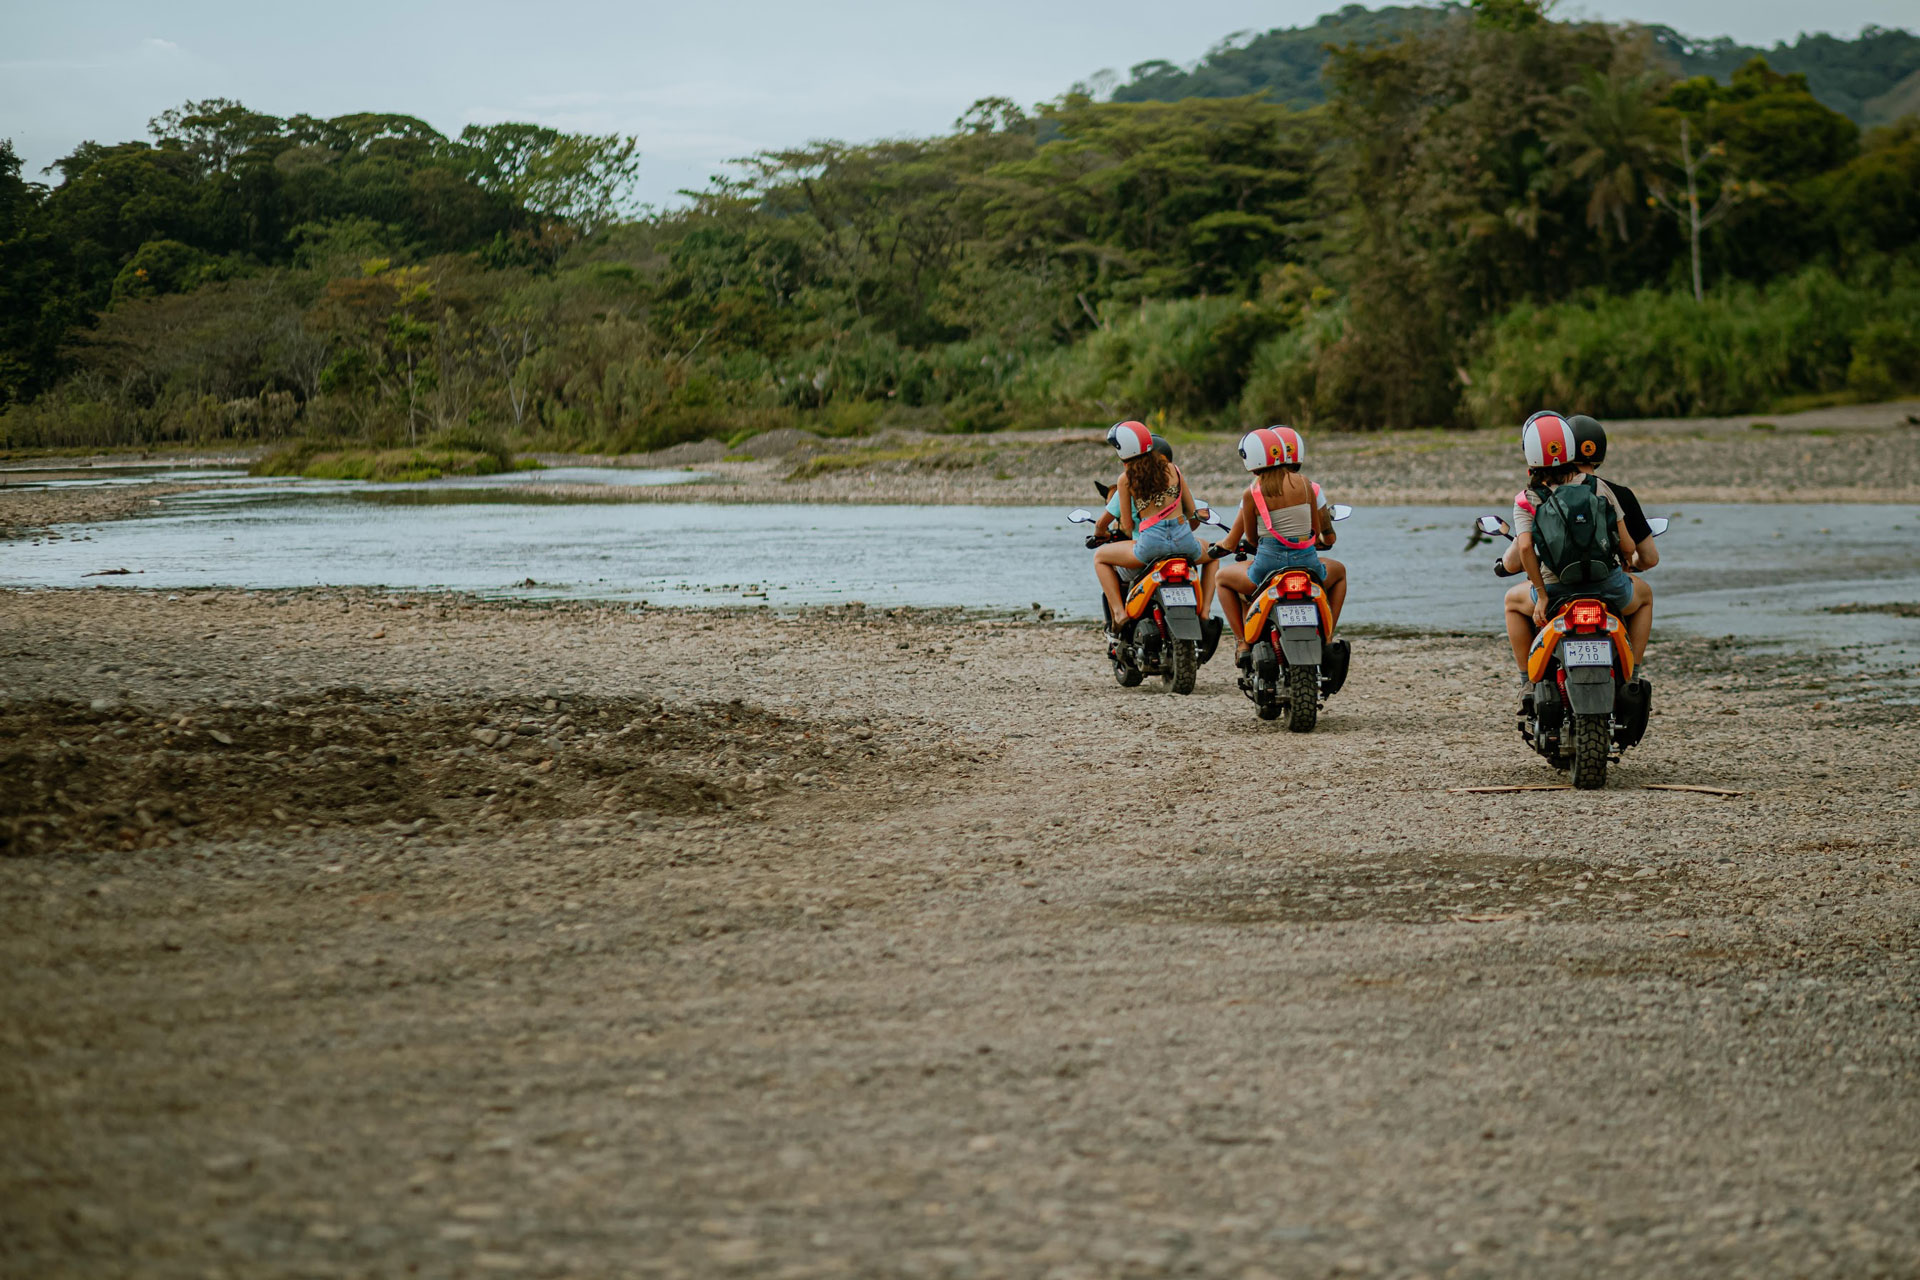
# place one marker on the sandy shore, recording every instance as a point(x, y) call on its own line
point(361, 935)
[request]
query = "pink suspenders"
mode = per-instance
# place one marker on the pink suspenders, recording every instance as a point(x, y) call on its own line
point(1260, 501)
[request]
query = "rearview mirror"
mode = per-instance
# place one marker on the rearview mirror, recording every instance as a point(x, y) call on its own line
point(1657, 525)
point(1079, 515)
point(1341, 511)
point(1492, 525)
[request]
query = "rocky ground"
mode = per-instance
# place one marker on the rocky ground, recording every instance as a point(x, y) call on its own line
point(358, 935)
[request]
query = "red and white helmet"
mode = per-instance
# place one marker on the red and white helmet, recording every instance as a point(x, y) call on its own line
point(1548, 440)
point(1131, 439)
point(1271, 447)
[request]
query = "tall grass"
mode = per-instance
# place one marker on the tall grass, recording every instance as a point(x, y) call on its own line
point(1660, 354)
point(1186, 359)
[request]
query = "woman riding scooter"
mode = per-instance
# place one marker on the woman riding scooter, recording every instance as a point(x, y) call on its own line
point(1292, 521)
point(1209, 570)
point(1155, 511)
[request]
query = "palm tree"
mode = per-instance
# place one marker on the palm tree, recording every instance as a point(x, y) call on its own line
point(1614, 134)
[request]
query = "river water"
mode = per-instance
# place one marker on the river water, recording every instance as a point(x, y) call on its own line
point(1759, 572)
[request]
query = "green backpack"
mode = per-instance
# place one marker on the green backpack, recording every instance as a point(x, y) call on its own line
point(1573, 533)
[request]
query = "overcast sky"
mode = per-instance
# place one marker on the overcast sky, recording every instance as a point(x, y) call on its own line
point(698, 81)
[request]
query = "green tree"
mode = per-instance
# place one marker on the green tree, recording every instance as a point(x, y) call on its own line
point(582, 179)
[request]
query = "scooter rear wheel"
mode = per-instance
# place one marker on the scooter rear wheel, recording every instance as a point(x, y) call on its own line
point(1590, 744)
point(1303, 698)
point(1183, 665)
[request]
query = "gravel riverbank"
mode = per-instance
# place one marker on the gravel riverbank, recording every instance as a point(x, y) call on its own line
point(358, 934)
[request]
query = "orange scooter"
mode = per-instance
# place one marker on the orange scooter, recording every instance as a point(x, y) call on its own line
point(1586, 706)
point(1296, 664)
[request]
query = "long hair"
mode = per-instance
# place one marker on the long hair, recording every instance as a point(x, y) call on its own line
point(1149, 474)
point(1273, 480)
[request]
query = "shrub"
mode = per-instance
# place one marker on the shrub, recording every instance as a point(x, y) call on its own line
point(1651, 353)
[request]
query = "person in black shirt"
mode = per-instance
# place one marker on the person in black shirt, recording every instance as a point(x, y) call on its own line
point(1590, 444)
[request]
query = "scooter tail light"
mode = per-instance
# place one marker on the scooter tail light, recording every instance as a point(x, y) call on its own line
point(1588, 615)
point(1174, 571)
point(1295, 583)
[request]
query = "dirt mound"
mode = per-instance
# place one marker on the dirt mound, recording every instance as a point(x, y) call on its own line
point(781, 442)
point(692, 453)
point(80, 776)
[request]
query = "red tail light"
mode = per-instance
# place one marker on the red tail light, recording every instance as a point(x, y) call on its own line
point(1296, 583)
point(1174, 571)
point(1588, 615)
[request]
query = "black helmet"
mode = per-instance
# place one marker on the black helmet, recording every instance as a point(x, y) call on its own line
point(1589, 440)
point(1161, 447)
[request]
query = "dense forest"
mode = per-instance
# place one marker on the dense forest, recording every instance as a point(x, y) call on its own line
point(1874, 79)
point(1489, 210)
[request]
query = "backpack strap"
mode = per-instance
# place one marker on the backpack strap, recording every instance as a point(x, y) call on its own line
point(1266, 518)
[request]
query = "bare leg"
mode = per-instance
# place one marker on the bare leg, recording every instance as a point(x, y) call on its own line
point(1520, 622)
point(1235, 586)
point(1639, 618)
point(1106, 566)
point(1336, 587)
point(1209, 579)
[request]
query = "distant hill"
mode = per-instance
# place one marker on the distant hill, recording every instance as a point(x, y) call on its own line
point(1285, 61)
point(1873, 78)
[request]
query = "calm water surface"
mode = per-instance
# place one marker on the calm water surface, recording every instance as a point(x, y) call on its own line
point(1761, 572)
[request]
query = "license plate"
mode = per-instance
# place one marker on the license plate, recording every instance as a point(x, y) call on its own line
point(1178, 595)
point(1298, 615)
point(1587, 653)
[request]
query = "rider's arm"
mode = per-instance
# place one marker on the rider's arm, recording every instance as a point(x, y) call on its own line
point(1323, 516)
point(1239, 530)
point(1124, 495)
point(1511, 560)
point(1104, 523)
point(1645, 555)
point(1531, 563)
point(1187, 508)
point(1628, 549)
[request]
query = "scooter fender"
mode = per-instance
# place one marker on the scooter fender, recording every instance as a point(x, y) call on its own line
point(1590, 690)
point(1183, 621)
point(1300, 646)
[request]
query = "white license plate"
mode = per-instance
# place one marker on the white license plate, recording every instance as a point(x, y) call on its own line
point(1587, 653)
point(1178, 595)
point(1298, 615)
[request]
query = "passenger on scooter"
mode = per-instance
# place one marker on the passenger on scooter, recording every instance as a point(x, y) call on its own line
point(1292, 521)
point(1550, 449)
point(1155, 510)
